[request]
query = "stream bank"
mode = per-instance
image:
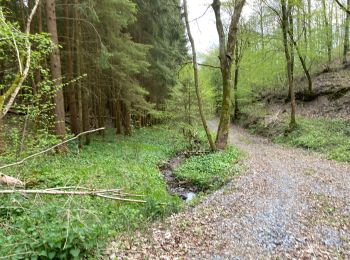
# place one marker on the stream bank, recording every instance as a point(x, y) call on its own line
point(185, 189)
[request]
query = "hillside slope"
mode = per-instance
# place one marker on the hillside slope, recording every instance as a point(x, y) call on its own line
point(330, 97)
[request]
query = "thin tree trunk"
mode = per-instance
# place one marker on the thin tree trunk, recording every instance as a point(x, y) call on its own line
point(78, 37)
point(309, 18)
point(71, 88)
point(196, 80)
point(2, 141)
point(86, 113)
point(118, 119)
point(55, 62)
point(346, 34)
point(303, 63)
point(235, 84)
point(328, 32)
point(40, 30)
point(291, 46)
point(261, 23)
point(285, 29)
point(189, 105)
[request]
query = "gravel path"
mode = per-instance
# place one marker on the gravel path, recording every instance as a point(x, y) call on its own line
point(289, 204)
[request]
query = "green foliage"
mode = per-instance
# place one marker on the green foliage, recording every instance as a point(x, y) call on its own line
point(263, 65)
point(182, 105)
point(330, 137)
point(210, 171)
point(68, 227)
point(13, 49)
point(159, 25)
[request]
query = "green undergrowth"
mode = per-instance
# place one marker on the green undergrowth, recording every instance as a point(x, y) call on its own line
point(328, 136)
point(58, 227)
point(210, 171)
point(331, 137)
point(61, 227)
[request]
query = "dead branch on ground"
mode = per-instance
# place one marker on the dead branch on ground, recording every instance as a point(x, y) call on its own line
point(111, 194)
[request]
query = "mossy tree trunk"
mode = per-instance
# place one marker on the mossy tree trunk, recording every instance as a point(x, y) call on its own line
point(226, 56)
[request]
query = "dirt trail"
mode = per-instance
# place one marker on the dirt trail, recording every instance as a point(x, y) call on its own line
point(289, 204)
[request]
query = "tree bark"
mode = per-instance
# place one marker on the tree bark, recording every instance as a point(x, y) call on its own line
point(226, 54)
point(78, 37)
point(71, 88)
point(127, 119)
point(55, 64)
point(196, 81)
point(303, 63)
point(285, 29)
point(2, 141)
point(235, 84)
point(328, 28)
point(346, 34)
point(309, 16)
point(118, 119)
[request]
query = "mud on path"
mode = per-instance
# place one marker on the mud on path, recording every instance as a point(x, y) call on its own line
point(289, 204)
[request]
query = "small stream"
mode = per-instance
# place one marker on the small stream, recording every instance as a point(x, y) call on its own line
point(184, 189)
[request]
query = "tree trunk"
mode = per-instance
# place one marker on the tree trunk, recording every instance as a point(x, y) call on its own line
point(71, 88)
point(309, 18)
point(285, 29)
point(78, 71)
point(346, 34)
point(2, 141)
point(118, 119)
point(303, 64)
point(235, 83)
point(196, 81)
point(226, 54)
point(291, 46)
point(127, 119)
point(261, 23)
point(86, 113)
point(55, 63)
point(328, 28)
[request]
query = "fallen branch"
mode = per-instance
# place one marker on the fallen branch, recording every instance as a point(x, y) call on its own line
point(51, 148)
point(113, 194)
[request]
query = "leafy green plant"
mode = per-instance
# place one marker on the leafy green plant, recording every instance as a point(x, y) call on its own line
point(321, 135)
point(46, 227)
point(210, 171)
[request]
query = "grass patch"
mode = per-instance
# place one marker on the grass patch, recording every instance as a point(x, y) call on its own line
point(328, 136)
point(74, 227)
point(331, 137)
point(210, 171)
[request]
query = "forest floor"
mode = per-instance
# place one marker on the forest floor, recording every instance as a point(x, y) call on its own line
point(290, 203)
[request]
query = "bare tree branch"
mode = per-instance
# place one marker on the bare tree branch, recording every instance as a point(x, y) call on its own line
point(342, 6)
